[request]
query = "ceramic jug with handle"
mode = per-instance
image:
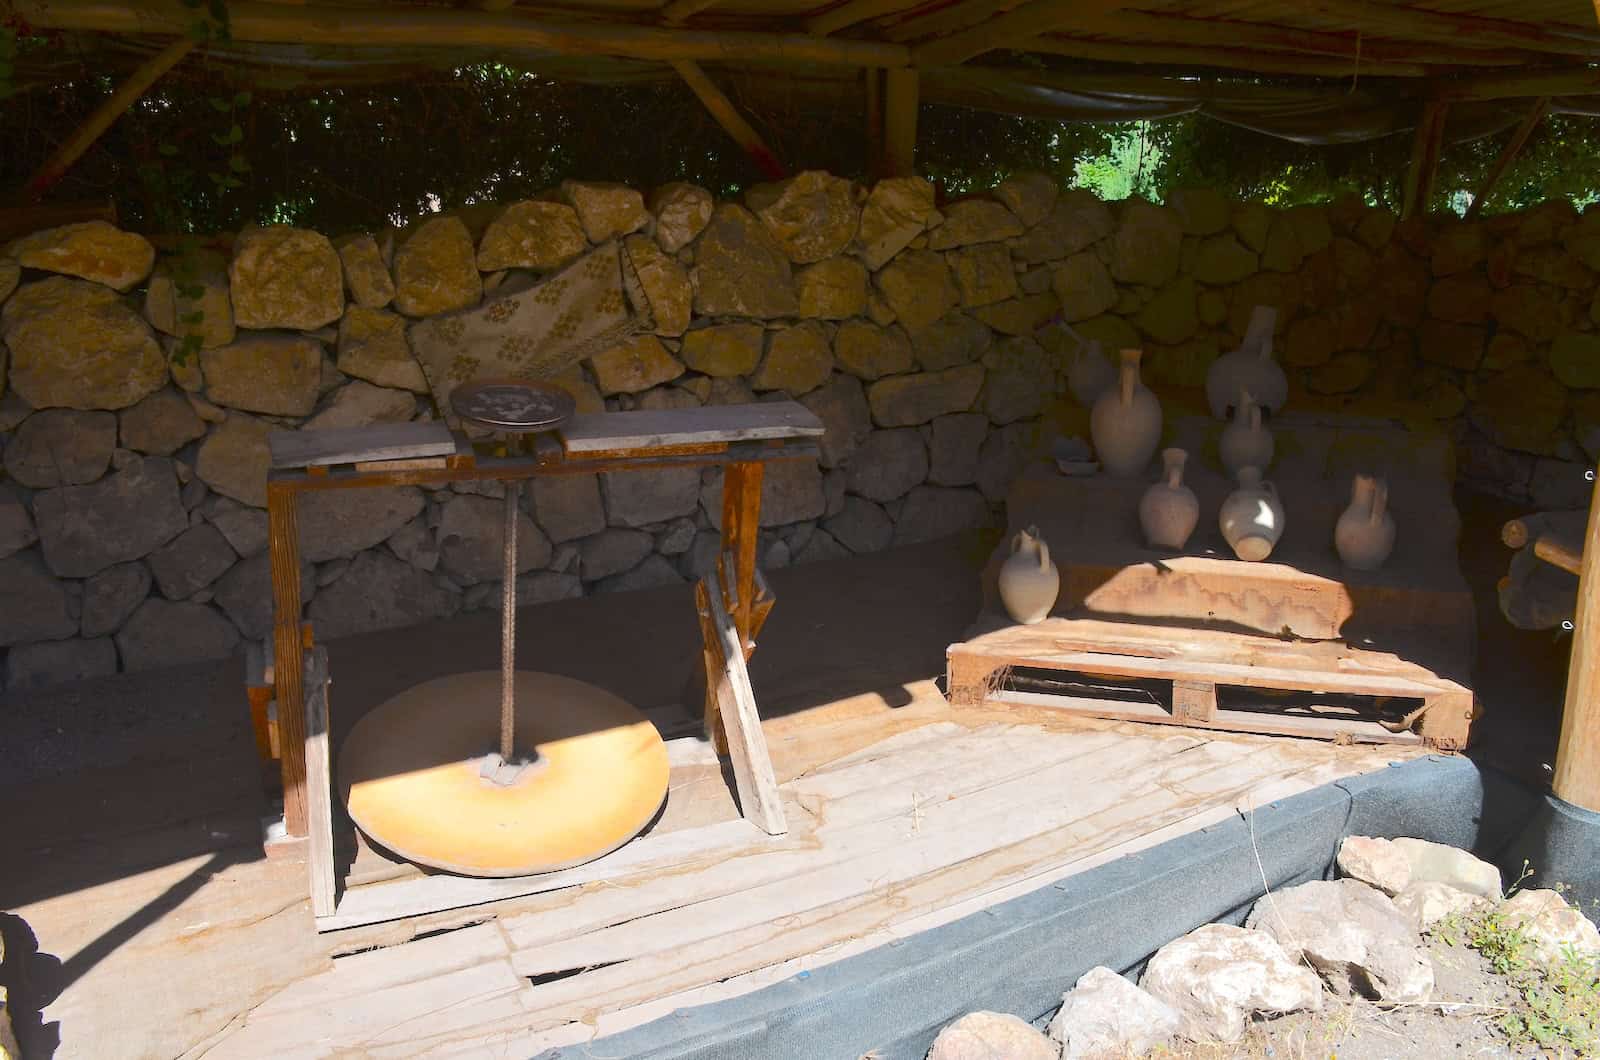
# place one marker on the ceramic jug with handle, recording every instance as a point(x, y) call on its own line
point(1245, 442)
point(1029, 582)
point(1125, 424)
point(1250, 366)
point(1364, 534)
point(1169, 510)
point(1251, 518)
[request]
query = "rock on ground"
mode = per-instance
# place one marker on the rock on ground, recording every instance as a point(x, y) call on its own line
point(1218, 976)
point(1437, 863)
point(111, 596)
point(1354, 937)
point(340, 523)
point(1427, 903)
point(436, 269)
point(234, 459)
point(1105, 1017)
point(472, 537)
point(160, 424)
point(682, 212)
point(191, 561)
point(245, 594)
point(93, 250)
point(1375, 862)
point(1552, 926)
point(567, 507)
point(992, 1036)
point(76, 344)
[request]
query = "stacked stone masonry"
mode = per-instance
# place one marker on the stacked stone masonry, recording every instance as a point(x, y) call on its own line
point(137, 389)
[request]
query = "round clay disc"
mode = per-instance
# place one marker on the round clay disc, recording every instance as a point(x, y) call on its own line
point(412, 775)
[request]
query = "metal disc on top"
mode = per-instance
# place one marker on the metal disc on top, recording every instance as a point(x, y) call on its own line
point(415, 774)
point(516, 406)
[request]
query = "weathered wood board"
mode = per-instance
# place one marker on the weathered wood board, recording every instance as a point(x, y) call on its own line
point(348, 445)
point(648, 429)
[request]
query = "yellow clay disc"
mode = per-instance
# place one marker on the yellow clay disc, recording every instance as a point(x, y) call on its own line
point(411, 775)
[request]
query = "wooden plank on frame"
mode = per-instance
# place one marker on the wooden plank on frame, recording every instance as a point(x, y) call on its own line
point(647, 429)
point(347, 445)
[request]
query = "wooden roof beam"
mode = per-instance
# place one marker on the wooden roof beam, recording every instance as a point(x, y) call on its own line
point(682, 10)
point(999, 31)
point(1147, 27)
point(1469, 30)
point(964, 14)
point(1562, 81)
point(727, 115)
point(253, 21)
point(1226, 58)
point(1425, 150)
point(853, 11)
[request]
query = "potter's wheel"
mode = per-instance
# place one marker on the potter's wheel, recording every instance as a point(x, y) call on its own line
point(412, 773)
point(511, 772)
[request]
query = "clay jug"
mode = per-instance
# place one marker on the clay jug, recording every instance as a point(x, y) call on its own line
point(1029, 582)
point(1126, 422)
point(1364, 534)
point(1251, 519)
point(1169, 510)
point(1245, 442)
point(1250, 366)
point(1090, 374)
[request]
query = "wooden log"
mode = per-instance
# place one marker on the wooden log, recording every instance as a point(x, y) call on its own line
point(283, 543)
point(1558, 553)
point(681, 10)
point(255, 22)
point(961, 15)
point(727, 115)
point(1508, 154)
point(853, 11)
point(877, 154)
point(1226, 58)
point(1425, 150)
point(1516, 533)
point(1396, 20)
point(901, 102)
point(115, 105)
point(1166, 29)
point(1561, 81)
point(741, 517)
point(1577, 767)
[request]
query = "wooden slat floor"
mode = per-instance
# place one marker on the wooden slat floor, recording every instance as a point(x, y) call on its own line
point(900, 819)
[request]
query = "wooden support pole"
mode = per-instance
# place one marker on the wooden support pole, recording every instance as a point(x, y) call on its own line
point(1424, 159)
point(251, 21)
point(1577, 772)
point(1513, 148)
point(741, 517)
point(283, 542)
point(900, 103)
point(875, 146)
point(115, 105)
point(728, 116)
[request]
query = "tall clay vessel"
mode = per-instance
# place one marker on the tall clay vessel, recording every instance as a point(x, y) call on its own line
point(1169, 510)
point(1245, 442)
point(1126, 422)
point(1251, 519)
point(1249, 367)
point(1364, 534)
point(1029, 582)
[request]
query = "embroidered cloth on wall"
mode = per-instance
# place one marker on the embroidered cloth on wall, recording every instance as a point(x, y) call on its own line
point(537, 331)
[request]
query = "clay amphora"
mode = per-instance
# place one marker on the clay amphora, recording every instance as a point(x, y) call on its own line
point(1090, 374)
point(1126, 422)
point(1251, 519)
point(1364, 534)
point(1029, 582)
point(1169, 510)
point(1245, 442)
point(1250, 366)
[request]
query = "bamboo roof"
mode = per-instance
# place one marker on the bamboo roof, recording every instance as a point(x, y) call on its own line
point(1309, 70)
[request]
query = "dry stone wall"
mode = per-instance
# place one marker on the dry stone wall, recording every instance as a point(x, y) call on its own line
point(138, 390)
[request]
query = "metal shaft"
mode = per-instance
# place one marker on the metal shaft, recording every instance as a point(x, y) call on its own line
point(508, 627)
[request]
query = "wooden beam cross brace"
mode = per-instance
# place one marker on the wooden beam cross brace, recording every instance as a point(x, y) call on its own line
point(729, 681)
point(728, 116)
point(1513, 148)
point(1577, 767)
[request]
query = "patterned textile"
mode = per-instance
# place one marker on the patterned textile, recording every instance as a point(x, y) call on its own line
point(535, 332)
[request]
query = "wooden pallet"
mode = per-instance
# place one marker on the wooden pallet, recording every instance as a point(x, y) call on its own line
point(1181, 670)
